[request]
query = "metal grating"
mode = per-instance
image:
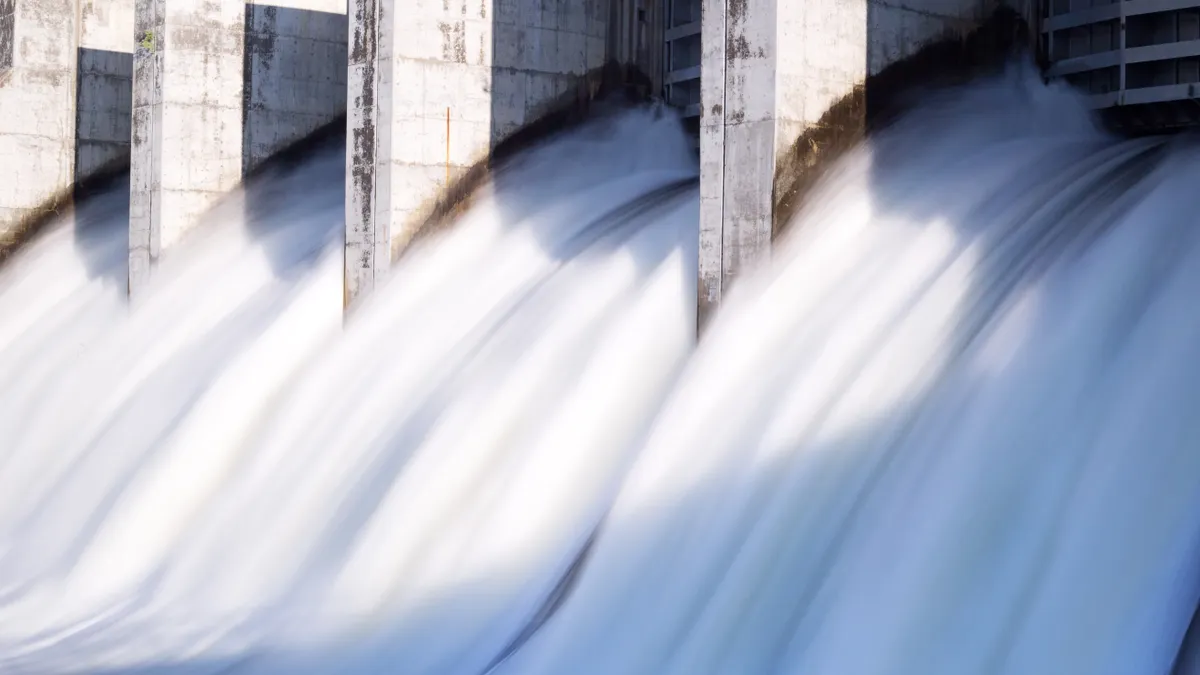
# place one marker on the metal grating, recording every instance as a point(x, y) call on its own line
point(681, 58)
point(1138, 55)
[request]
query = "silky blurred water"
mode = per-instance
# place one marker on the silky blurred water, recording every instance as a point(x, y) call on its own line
point(949, 428)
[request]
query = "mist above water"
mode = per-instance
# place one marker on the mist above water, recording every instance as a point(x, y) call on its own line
point(947, 429)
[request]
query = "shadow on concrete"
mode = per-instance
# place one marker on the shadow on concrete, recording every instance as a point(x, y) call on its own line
point(882, 496)
point(293, 126)
point(294, 104)
point(100, 195)
point(703, 508)
point(294, 70)
point(104, 98)
point(716, 526)
point(684, 546)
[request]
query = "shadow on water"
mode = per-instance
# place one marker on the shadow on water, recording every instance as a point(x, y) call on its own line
point(100, 218)
point(715, 507)
point(667, 559)
point(301, 187)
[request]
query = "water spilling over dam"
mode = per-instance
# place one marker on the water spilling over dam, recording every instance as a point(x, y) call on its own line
point(947, 429)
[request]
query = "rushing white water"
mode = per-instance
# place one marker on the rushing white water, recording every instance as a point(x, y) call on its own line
point(948, 429)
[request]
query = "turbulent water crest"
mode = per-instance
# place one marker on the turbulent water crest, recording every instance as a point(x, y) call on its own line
point(947, 429)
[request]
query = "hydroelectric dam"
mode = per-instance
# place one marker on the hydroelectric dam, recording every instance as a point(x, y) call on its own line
point(599, 337)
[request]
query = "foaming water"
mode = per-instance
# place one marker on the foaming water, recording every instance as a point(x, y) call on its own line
point(947, 429)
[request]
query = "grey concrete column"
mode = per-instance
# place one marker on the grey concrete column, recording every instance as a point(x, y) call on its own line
point(187, 120)
point(38, 42)
point(431, 86)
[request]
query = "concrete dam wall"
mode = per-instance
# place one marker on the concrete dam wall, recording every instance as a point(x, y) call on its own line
point(194, 94)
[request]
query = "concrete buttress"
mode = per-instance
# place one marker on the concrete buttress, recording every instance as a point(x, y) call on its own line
point(432, 85)
point(770, 69)
point(187, 140)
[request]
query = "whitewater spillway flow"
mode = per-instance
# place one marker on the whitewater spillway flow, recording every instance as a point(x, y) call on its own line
point(948, 428)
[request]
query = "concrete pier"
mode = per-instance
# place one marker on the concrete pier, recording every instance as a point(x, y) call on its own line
point(432, 85)
point(769, 70)
point(219, 86)
point(187, 119)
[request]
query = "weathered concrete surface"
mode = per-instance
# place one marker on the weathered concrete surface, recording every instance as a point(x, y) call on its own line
point(433, 84)
point(295, 72)
point(770, 70)
point(187, 119)
point(38, 41)
point(104, 94)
